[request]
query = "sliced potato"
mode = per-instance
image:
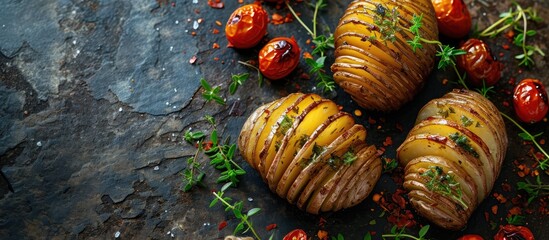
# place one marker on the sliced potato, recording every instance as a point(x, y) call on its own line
point(354, 135)
point(323, 135)
point(286, 122)
point(463, 135)
point(302, 144)
point(391, 67)
point(436, 145)
point(306, 123)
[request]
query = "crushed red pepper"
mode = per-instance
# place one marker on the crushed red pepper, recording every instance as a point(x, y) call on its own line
point(216, 4)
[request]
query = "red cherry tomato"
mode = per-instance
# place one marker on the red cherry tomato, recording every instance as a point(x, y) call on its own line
point(511, 232)
point(453, 18)
point(296, 234)
point(279, 57)
point(530, 100)
point(470, 237)
point(247, 26)
point(479, 64)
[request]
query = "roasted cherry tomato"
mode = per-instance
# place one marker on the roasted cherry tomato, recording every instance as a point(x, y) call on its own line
point(479, 64)
point(470, 237)
point(512, 232)
point(247, 26)
point(279, 57)
point(530, 100)
point(296, 234)
point(453, 18)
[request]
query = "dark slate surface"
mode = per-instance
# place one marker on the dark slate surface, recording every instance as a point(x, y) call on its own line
point(95, 95)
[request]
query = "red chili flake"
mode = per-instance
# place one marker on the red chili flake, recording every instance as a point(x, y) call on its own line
point(486, 216)
point(216, 59)
point(506, 46)
point(510, 34)
point(307, 55)
point(321, 222)
point(192, 60)
point(494, 209)
point(445, 81)
point(305, 76)
point(371, 120)
point(501, 54)
point(207, 145)
point(215, 46)
point(321, 234)
point(506, 187)
point(270, 227)
point(289, 18)
point(277, 19)
point(388, 141)
point(505, 104)
point(240, 1)
point(193, 33)
point(222, 225)
point(216, 4)
point(215, 31)
point(515, 211)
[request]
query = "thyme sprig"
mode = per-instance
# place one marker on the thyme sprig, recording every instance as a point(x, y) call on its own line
point(534, 190)
point(517, 19)
point(236, 208)
point(516, 220)
point(322, 44)
point(444, 184)
point(193, 175)
point(527, 136)
point(237, 80)
point(400, 234)
point(211, 93)
point(222, 158)
point(259, 75)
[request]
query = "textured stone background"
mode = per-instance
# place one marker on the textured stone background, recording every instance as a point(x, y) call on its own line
point(95, 95)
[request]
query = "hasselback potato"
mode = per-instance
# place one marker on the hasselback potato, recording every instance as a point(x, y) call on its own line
point(452, 156)
point(382, 71)
point(310, 153)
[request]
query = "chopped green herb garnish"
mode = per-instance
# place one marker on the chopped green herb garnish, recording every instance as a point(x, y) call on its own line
point(464, 143)
point(443, 183)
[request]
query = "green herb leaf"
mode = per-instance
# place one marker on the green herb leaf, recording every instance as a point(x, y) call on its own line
point(253, 211)
point(423, 231)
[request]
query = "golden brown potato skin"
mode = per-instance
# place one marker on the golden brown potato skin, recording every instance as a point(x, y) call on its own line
point(310, 153)
point(382, 74)
point(474, 162)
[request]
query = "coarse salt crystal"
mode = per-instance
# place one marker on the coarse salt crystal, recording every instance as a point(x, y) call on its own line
point(195, 25)
point(117, 234)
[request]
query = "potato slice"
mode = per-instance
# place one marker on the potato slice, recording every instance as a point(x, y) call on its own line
point(258, 125)
point(321, 137)
point(336, 186)
point(286, 121)
point(361, 184)
point(444, 127)
point(273, 117)
point(350, 137)
point(329, 184)
point(247, 128)
point(426, 144)
point(304, 125)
